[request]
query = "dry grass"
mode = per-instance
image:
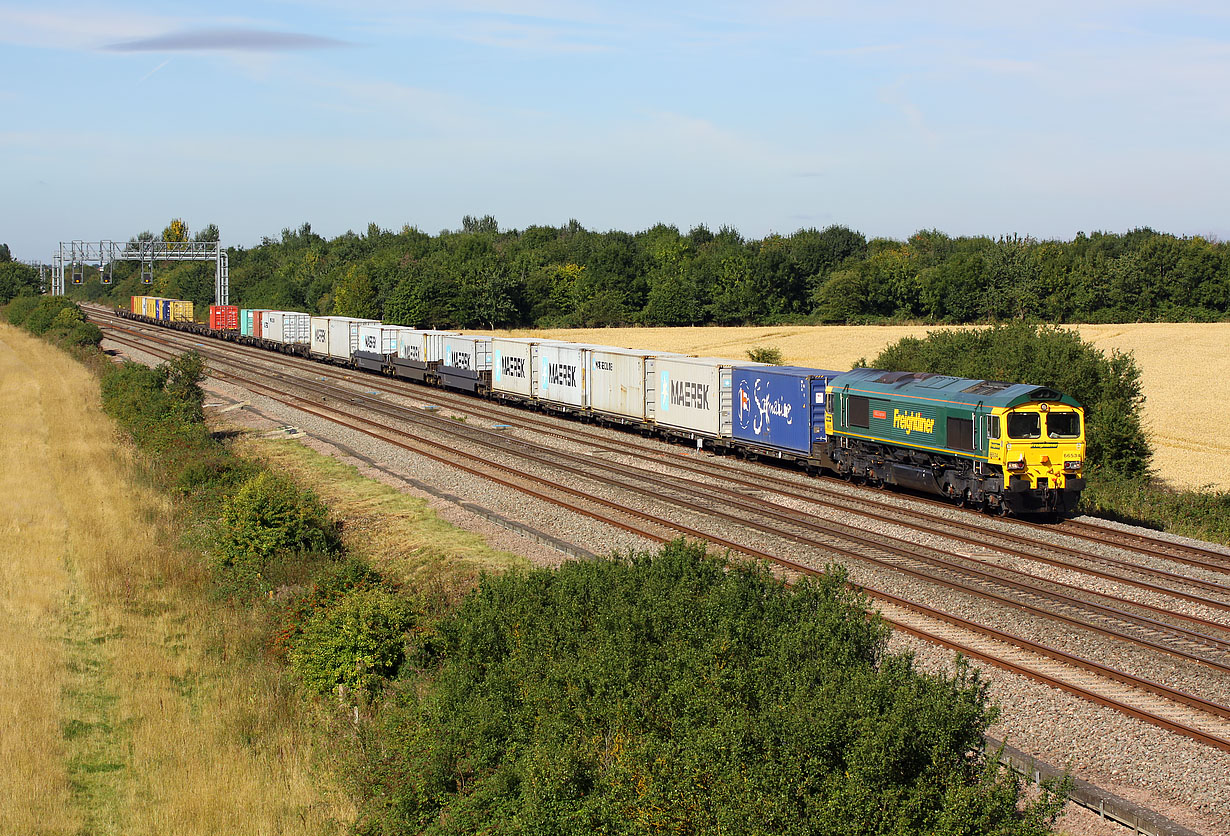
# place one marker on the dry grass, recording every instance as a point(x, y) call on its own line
point(34, 585)
point(398, 533)
point(1185, 368)
point(132, 704)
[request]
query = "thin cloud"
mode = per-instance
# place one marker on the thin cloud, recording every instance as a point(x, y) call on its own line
point(227, 40)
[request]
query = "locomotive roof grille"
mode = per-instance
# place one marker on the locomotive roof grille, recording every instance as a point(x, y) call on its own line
point(987, 387)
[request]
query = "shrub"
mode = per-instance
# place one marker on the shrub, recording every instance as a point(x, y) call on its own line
point(269, 517)
point(82, 335)
point(328, 583)
point(20, 308)
point(56, 317)
point(765, 354)
point(358, 641)
point(47, 311)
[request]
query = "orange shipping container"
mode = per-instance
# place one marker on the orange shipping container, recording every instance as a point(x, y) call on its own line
point(224, 317)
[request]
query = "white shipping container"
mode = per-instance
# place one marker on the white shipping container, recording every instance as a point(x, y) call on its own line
point(378, 339)
point(287, 327)
point(422, 345)
point(694, 394)
point(622, 381)
point(513, 370)
point(320, 335)
point(296, 328)
point(344, 335)
point(561, 372)
point(336, 336)
point(467, 352)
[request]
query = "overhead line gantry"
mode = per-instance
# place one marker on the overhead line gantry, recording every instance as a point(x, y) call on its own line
point(78, 254)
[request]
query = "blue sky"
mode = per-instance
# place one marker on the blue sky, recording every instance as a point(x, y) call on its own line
point(1042, 119)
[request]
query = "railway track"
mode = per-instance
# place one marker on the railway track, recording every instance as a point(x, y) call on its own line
point(1195, 723)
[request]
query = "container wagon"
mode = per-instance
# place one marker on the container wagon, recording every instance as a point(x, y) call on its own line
point(337, 337)
point(466, 365)
point(377, 344)
point(286, 328)
point(623, 385)
point(419, 353)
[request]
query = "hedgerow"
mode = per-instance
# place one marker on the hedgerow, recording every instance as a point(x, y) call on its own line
point(55, 317)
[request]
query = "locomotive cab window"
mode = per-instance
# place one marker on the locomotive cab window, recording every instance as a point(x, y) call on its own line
point(1024, 425)
point(993, 426)
point(1063, 425)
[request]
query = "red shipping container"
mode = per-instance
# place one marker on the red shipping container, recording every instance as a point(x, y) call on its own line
point(224, 317)
point(257, 330)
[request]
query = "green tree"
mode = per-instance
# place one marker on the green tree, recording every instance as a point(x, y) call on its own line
point(17, 279)
point(355, 294)
point(843, 297)
point(209, 234)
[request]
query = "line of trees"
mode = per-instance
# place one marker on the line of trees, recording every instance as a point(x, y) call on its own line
point(482, 276)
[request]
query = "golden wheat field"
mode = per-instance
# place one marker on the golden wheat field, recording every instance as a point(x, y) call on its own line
point(1185, 369)
point(129, 701)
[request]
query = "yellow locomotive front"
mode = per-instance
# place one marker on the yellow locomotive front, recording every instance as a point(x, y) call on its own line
point(1041, 448)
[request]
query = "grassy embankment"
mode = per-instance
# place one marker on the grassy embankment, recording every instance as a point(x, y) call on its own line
point(136, 701)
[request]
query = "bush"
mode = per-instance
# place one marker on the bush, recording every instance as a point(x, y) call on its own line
point(765, 354)
point(1108, 388)
point(358, 641)
point(20, 309)
point(48, 311)
point(270, 518)
point(669, 693)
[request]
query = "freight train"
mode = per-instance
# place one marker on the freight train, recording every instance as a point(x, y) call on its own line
point(1007, 448)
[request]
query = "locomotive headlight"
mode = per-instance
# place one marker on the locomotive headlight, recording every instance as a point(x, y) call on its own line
point(1042, 407)
point(1072, 464)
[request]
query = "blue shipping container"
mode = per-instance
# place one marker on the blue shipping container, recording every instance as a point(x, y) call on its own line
point(162, 310)
point(779, 406)
point(245, 322)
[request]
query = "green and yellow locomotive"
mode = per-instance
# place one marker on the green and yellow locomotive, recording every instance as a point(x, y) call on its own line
point(1007, 447)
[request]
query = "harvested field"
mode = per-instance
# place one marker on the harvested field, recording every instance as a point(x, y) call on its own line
point(1185, 368)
